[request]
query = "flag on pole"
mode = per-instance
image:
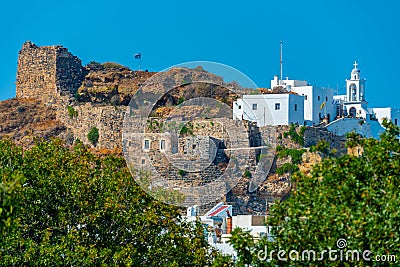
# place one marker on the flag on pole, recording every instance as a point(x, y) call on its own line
point(138, 56)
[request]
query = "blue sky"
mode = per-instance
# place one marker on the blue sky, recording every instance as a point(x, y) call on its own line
point(321, 38)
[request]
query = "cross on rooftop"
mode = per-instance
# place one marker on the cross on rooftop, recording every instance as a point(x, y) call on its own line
point(355, 64)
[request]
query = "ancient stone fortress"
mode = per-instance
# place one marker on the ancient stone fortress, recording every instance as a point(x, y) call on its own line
point(57, 78)
point(47, 72)
point(97, 95)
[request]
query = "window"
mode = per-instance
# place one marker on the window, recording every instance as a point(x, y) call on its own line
point(295, 107)
point(326, 98)
point(319, 98)
point(162, 144)
point(193, 146)
point(143, 161)
point(240, 107)
point(305, 97)
point(395, 121)
point(254, 106)
point(174, 149)
point(277, 106)
point(146, 144)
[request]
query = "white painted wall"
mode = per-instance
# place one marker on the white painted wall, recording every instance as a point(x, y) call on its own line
point(262, 109)
point(292, 83)
point(314, 96)
point(340, 97)
point(360, 107)
point(244, 222)
point(296, 109)
point(238, 109)
point(392, 114)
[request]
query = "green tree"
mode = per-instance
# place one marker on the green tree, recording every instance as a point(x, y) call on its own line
point(356, 198)
point(322, 146)
point(71, 208)
point(93, 136)
point(9, 184)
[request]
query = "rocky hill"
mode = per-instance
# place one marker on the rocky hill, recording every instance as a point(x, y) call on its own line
point(110, 83)
point(25, 119)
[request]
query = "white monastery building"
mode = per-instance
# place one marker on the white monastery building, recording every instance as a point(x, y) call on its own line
point(298, 102)
point(270, 109)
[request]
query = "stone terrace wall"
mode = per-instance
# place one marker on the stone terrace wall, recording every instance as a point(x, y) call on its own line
point(107, 119)
point(312, 135)
point(46, 72)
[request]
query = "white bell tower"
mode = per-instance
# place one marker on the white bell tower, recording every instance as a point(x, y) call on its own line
point(355, 105)
point(355, 86)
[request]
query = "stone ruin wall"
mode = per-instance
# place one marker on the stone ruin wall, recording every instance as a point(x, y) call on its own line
point(313, 135)
point(46, 72)
point(36, 74)
point(69, 72)
point(107, 119)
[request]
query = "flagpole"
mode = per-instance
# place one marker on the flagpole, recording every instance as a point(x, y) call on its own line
point(138, 56)
point(281, 62)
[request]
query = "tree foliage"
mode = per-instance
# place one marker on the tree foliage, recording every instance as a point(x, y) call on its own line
point(356, 198)
point(67, 207)
point(93, 136)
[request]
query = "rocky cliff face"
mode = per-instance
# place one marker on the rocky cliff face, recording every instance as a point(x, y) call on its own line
point(110, 83)
point(24, 120)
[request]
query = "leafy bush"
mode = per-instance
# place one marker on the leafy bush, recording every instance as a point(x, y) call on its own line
point(247, 174)
point(322, 146)
point(287, 168)
point(72, 113)
point(181, 100)
point(302, 130)
point(296, 137)
point(93, 136)
point(69, 207)
point(296, 154)
point(187, 129)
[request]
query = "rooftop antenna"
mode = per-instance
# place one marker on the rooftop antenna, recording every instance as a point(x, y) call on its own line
point(281, 61)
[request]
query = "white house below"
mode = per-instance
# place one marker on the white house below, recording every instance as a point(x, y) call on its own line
point(270, 109)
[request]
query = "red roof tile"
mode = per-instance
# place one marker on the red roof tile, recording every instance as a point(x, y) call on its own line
point(217, 211)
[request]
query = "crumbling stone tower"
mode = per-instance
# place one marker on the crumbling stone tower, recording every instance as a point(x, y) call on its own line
point(47, 72)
